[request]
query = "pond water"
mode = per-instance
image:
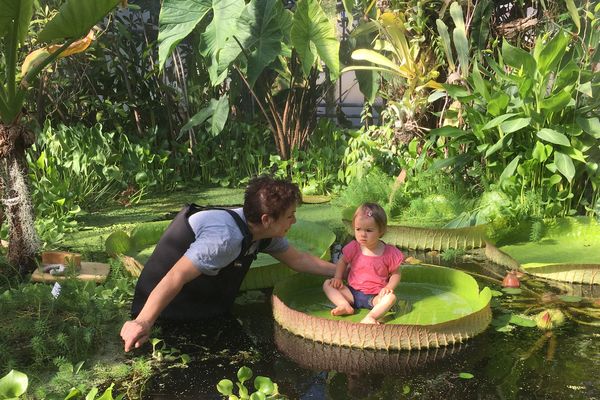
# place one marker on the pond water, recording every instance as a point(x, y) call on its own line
point(524, 363)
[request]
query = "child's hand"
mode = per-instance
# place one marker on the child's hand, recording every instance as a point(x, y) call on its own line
point(385, 290)
point(336, 283)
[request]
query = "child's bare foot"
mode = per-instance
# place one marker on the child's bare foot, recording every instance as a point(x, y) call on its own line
point(342, 310)
point(369, 320)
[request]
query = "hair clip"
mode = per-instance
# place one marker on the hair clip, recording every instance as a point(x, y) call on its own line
point(369, 213)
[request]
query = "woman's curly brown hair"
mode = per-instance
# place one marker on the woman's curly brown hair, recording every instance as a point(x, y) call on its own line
point(267, 195)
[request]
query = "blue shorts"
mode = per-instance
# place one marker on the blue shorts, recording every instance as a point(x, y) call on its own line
point(361, 300)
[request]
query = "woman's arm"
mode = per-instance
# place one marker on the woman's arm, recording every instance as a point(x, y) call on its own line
point(135, 332)
point(302, 261)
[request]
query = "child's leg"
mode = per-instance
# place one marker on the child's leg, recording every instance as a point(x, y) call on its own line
point(342, 298)
point(381, 305)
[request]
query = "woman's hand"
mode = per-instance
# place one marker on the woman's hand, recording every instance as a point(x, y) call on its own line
point(135, 333)
point(336, 283)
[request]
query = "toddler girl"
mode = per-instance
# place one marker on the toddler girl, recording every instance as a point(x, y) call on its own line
point(374, 268)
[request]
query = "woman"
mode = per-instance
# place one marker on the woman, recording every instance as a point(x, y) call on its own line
point(200, 261)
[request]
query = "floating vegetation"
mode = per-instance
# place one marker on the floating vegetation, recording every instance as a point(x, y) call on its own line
point(446, 307)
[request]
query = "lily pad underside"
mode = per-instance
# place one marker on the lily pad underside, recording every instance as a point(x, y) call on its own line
point(439, 307)
point(325, 357)
point(568, 252)
point(421, 238)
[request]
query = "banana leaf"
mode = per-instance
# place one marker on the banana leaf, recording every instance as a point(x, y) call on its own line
point(442, 307)
point(568, 252)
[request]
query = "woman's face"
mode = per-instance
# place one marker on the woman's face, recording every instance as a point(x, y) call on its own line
point(366, 231)
point(280, 226)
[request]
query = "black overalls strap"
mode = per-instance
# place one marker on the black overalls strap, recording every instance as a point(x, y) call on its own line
point(205, 296)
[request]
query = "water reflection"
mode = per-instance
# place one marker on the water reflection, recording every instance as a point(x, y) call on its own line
point(319, 356)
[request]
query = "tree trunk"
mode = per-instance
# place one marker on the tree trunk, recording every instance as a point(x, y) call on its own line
point(24, 243)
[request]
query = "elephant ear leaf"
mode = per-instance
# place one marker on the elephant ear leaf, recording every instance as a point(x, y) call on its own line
point(21, 12)
point(75, 18)
point(314, 35)
point(177, 19)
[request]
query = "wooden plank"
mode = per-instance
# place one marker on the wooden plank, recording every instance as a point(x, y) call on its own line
point(90, 271)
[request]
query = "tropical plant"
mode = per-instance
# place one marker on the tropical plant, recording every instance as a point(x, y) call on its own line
point(405, 65)
point(72, 22)
point(267, 48)
point(531, 121)
point(300, 306)
point(265, 388)
point(13, 385)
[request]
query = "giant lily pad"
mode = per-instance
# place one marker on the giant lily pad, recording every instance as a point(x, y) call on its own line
point(428, 238)
point(445, 307)
point(325, 357)
point(568, 252)
point(307, 236)
point(265, 271)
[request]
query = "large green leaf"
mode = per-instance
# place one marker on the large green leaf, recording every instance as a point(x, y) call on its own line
point(556, 102)
point(459, 34)
point(218, 31)
point(420, 238)
point(518, 58)
point(216, 113)
point(220, 27)
point(566, 252)
point(445, 41)
point(440, 302)
point(479, 83)
point(590, 125)
point(552, 52)
point(564, 164)
point(497, 121)
point(75, 18)
point(307, 236)
point(510, 169)
point(574, 13)
point(177, 19)
point(514, 125)
point(259, 33)
point(20, 11)
point(552, 136)
point(314, 35)
point(13, 385)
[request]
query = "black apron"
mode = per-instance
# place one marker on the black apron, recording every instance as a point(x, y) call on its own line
point(205, 296)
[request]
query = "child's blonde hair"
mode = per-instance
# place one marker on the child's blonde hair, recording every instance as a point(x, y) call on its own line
point(374, 211)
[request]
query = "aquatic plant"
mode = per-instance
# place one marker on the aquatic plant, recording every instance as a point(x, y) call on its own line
point(300, 306)
point(563, 253)
point(265, 387)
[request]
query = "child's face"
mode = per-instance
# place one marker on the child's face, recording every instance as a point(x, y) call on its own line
point(366, 231)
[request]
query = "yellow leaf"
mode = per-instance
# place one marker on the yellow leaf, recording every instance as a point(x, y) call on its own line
point(38, 56)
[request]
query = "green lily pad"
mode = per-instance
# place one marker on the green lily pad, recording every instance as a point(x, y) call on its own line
point(315, 199)
point(409, 236)
point(446, 307)
point(306, 236)
point(265, 270)
point(422, 238)
point(567, 252)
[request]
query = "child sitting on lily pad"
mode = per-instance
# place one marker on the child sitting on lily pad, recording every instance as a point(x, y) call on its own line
point(374, 268)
